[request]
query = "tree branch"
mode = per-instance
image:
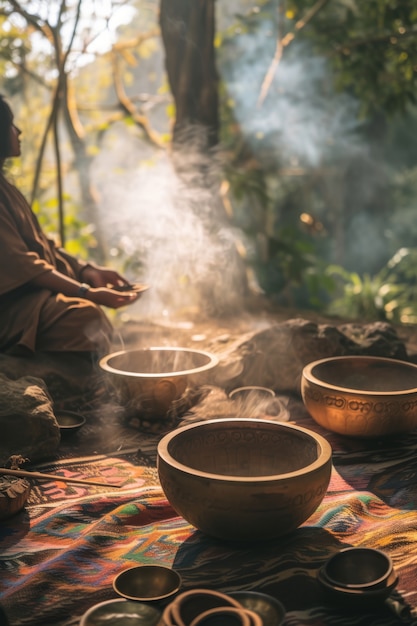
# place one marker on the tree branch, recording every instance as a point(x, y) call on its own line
point(282, 43)
point(128, 106)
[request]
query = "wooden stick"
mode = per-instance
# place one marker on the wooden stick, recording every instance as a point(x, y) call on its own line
point(41, 476)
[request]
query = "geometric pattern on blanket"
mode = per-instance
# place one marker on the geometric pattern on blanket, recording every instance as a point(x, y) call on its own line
point(59, 556)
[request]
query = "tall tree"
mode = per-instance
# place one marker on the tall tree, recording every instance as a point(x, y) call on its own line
point(188, 30)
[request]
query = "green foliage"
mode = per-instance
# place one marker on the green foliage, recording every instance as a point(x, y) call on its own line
point(390, 295)
point(372, 46)
point(292, 271)
point(80, 239)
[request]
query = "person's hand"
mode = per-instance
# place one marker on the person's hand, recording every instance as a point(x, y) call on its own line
point(110, 297)
point(102, 277)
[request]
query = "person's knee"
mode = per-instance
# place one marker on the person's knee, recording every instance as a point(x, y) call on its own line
point(96, 327)
point(80, 326)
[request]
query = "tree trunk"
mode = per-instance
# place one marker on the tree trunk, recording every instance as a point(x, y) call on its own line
point(188, 30)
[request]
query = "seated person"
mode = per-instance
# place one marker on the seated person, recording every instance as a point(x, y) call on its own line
point(49, 300)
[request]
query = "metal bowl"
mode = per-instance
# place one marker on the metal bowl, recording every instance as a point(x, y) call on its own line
point(358, 568)
point(244, 479)
point(121, 613)
point(361, 396)
point(252, 393)
point(69, 421)
point(150, 380)
point(254, 401)
point(270, 610)
point(147, 583)
point(357, 597)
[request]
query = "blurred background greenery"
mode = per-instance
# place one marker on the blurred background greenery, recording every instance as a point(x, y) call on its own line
point(227, 146)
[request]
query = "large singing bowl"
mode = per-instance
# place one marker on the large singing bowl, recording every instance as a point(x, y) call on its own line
point(244, 479)
point(361, 396)
point(152, 379)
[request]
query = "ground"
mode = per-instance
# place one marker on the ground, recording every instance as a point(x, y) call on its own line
point(194, 329)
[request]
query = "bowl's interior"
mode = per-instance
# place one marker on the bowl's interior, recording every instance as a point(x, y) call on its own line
point(358, 567)
point(69, 420)
point(147, 582)
point(350, 594)
point(269, 608)
point(155, 361)
point(367, 374)
point(249, 394)
point(239, 448)
point(120, 612)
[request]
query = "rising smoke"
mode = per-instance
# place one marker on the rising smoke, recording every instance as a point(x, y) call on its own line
point(174, 224)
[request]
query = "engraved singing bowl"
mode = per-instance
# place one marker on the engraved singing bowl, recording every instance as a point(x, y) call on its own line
point(244, 479)
point(361, 396)
point(150, 380)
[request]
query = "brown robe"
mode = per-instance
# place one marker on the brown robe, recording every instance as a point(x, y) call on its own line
point(31, 318)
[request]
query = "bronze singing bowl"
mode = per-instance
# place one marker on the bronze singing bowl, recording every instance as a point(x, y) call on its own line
point(357, 598)
point(361, 396)
point(358, 568)
point(69, 421)
point(271, 610)
point(152, 379)
point(147, 583)
point(244, 479)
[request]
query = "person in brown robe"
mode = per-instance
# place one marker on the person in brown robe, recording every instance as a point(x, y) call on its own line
point(49, 300)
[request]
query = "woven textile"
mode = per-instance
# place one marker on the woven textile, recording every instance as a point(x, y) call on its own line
point(59, 556)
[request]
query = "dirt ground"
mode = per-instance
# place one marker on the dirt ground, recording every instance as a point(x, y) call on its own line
point(107, 430)
point(193, 329)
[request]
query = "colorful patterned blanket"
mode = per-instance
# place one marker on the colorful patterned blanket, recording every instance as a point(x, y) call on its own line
point(58, 557)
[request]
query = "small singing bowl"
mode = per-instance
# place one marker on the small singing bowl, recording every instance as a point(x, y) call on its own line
point(270, 610)
point(356, 598)
point(121, 612)
point(244, 479)
point(358, 568)
point(254, 400)
point(147, 583)
point(361, 396)
point(69, 421)
point(151, 380)
point(254, 393)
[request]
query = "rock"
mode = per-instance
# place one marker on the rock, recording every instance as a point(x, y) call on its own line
point(27, 421)
point(65, 374)
point(376, 339)
point(275, 357)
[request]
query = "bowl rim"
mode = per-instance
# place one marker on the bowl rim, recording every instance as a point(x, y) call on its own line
point(267, 391)
point(146, 599)
point(81, 419)
point(365, 586)
point(213, 361)
point(349, 592)
point(89, 612)
point(261, 595)
point(309, 376)
point(324, 454)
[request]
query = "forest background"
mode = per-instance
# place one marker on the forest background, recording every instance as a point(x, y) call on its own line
point(215, 148)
